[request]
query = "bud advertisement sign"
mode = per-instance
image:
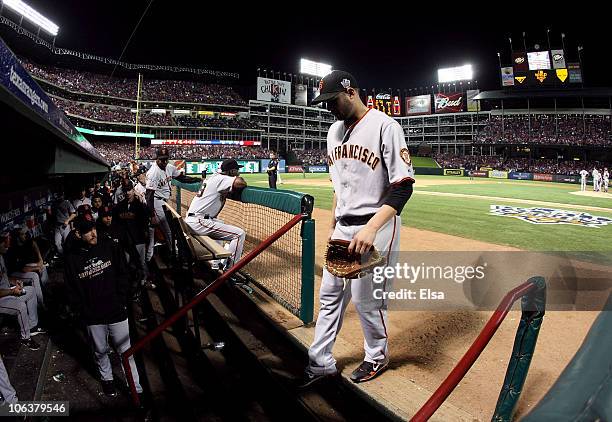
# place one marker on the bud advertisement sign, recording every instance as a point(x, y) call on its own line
point(449, 103)
point(273, 90)
point(558, 59)
point(419, 104)
point(301, 92)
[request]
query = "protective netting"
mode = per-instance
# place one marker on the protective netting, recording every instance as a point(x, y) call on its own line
point(278, 269)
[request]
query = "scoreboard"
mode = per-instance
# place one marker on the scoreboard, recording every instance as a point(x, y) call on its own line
point(547, 68)
point(386, 103)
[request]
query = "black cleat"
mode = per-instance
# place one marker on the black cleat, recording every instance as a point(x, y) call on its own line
point(368, 370)
point(310, 379)
point(109, 388)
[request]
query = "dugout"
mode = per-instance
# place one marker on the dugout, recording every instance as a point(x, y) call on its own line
point(44, 154)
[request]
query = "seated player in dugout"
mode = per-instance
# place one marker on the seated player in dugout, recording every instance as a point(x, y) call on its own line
point(206, 206)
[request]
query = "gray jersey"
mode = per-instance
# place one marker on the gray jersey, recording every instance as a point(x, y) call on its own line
point(63, 211)
point(364, 160)
point(210, 201)
point(159, 180)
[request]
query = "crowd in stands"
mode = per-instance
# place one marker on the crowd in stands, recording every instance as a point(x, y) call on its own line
point(496, 162)
point(152, 89)
point(214, 122)
point(112, 114)
point(122, 152)
point(103, 113)
point(312, 157)
point(545, 129)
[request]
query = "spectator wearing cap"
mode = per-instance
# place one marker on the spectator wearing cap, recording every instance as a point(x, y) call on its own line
point(120, 191)
point(132, 218)
point(18, 300)
point(64, 214)
point(25, 263)
point(98, 282)
point(158, 191)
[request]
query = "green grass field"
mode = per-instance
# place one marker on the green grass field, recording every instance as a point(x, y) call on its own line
point(470, 218)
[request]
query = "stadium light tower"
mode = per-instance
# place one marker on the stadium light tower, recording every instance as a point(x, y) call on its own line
point(309, 67)
point(32, 15)
point(455, 74)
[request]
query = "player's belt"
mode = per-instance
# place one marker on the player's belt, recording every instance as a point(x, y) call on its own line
point(160, 198)
point(193, 215)
point(354, 220)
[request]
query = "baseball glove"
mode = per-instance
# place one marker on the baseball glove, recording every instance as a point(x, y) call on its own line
point(340, 263)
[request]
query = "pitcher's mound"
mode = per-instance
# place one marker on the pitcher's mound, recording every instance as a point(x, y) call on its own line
point(593, 194)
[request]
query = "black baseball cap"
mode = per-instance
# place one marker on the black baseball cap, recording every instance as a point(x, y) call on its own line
point(84, 223)
point(230, 164)
point(333, 84)
point(163, 153)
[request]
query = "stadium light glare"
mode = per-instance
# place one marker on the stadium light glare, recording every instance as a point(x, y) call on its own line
point(32, 15)
point(454, 74)
point(314, 68)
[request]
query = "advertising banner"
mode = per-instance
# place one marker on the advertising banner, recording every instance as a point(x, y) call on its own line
point(213, 166)
point(383, 102)
point(543, 177)
point(273, 90)
point(480, 173)
point(519, 61)
point(370, 101)
point(561, 178)
point(498, 174)
point(472, 105)
point(203, 142)
point(507, 74)
point(317, 169)
point(453, 172)
point(295, 169)
point(419, 104)
point(301, 94)
point(449, 103)
point(558, 59)
point(575, 73)
point(397, 109)
point(520, 176)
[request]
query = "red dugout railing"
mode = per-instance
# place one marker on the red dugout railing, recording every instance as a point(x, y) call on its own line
point(199, 298)
point(468, 359)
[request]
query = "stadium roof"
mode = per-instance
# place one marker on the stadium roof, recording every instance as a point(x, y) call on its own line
point(554, 93)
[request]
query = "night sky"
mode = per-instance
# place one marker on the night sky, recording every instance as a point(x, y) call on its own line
point(383, 48)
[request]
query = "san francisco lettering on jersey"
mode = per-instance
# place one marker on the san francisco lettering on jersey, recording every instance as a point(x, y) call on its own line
point(355, 152)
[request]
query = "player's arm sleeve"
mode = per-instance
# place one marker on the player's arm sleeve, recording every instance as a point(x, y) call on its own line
point(395, 154)
point(399, 167)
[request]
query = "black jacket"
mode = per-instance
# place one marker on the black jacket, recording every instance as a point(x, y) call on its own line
point(133, 218)
point(97, 282)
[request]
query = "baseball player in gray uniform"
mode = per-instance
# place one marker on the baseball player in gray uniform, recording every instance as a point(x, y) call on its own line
point(64, 214)
point(19, 301)
point(158, 192)
point(6, 389)
point(372, 176)
point(206, 206)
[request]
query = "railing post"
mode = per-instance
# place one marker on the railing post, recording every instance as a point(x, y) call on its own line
point(308, 256)
point(533, 307)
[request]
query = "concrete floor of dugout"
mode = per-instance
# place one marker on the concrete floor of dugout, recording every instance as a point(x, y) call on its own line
point(425, 345)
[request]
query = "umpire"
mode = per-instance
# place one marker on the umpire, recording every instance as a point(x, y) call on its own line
point(97, 281)
point(272, 171)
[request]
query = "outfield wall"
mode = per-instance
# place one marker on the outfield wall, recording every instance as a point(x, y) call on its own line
point(513, 175)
